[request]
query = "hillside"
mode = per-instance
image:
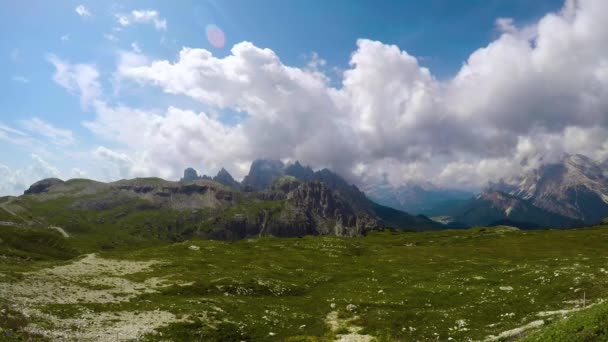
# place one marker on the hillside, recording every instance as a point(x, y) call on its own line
point(145, 209)
point(415, 198)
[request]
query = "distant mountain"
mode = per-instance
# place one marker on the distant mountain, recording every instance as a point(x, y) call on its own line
point(191, 175)
point(224, 177)
point(493, 207)
point(570, 192)
point(575, 187)
point(415, 197)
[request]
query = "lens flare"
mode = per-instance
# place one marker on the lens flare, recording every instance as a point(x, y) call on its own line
point(215, 36)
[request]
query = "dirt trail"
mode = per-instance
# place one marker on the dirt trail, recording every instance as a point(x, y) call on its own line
point(61, 231)
point(5, 206)
point(91, 279)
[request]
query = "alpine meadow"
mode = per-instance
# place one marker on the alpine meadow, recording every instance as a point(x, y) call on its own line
point(270, 170)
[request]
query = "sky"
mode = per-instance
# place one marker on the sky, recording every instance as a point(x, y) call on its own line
point(456, 93)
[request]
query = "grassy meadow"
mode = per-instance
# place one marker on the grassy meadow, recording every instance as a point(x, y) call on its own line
point(477, 284)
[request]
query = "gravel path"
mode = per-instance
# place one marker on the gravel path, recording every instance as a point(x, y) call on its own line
point(91, 279)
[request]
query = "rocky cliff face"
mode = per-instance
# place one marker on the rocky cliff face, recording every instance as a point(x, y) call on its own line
point(306, 208)
point(329, 212)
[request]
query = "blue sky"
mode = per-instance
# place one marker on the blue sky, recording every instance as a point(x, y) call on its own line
point(440, 34)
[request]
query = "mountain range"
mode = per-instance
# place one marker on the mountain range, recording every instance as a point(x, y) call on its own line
point(419, 198)
point(274, 199)
point(293, 200)
point(572, 191)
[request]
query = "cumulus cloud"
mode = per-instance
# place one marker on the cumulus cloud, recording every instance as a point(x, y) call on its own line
point(143, 16)
point(530, 95)
point(78, 79)
point(165, 141)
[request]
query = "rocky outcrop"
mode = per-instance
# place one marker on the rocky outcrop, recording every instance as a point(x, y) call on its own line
point(42, 186)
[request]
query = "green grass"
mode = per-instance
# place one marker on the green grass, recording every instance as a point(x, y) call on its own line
point(427, 281)
point(459, 284)
point(585, 326)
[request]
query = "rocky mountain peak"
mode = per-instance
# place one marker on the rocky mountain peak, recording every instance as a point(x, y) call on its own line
point(574, 187)
point(224, 177)
point(190, 175)
point(262, 173)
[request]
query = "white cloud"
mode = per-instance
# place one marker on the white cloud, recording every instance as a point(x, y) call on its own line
point(121, 162)
point(533, 93)
point(542, 83)
point(505, 25)
point(135, 47)
point(315, 62)
point(20, 79)
point(65, 38)
point(56, 135)
point(15, 181)
point(165, 141)
point(16, 137)
point(79, 79)
point(7, 129)
point(82, 11)
point(142, 16)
